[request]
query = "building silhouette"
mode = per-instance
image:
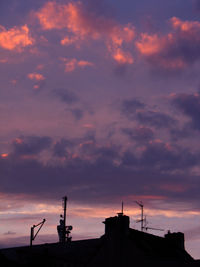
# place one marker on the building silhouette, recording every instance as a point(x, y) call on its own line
point(120, 246)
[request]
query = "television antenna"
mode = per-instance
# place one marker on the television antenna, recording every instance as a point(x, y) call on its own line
point(143, 219)
point(33, 236)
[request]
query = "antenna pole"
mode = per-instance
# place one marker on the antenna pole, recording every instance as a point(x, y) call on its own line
point(65, 209)
point(122, 207)
point(142, 217)
point(33, 236)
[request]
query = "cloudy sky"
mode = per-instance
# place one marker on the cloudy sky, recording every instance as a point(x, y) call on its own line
point(99, 101)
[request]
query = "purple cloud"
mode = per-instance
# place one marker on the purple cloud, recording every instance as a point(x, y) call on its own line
point(189, 105)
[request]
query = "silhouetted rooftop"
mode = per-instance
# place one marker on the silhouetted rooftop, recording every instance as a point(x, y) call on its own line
point(119, 246)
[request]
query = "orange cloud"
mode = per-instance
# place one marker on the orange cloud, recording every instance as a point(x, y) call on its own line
point(122, 57)
point(184, 26)
point(68, 41)
point(4, 155)
point(116, 39)
point(174, 50)
point(72, 64)
point(36, 76)
point(83, 63)
point(18, 141)
point(36, 86)
point(149, 44)
point(57, 16)
point(84, 26)
point(16, 38)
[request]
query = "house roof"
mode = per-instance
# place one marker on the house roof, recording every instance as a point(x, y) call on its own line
point(119, 246)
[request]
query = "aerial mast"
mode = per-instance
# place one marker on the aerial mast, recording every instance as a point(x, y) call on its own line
point(63, 230)
point(142, 220)
point(65, 209)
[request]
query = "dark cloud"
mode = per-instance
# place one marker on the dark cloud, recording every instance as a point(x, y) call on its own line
point(156, 119)
point(166, 157)
point(158, 156)
point(129, 107)
point(174, 51)
point(180, 133)
point(31, 145)
point(189, 104)
point(66, 96)
point(141, 134)
point(197, 4)
point(130, 159)
point(60, 148)
point(77, 113)
point(134, 109)
point(102, 153)
point(110, 153)
point(102, 173)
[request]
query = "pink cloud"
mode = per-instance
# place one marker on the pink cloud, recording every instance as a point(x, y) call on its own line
point(150, 44)
point(177, 188)
point(72, 64)
point(3, 60)
point(185, 26)
point(40, 67)
point(145, 197)
point(36, 76)
point(122, 57)
point(4, 155)
point(175, 50)
point(83, 26)
point(16, 38)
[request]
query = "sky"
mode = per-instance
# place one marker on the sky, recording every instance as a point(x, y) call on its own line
point(99, 101)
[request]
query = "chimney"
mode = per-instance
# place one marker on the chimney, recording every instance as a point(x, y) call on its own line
point(117, 226)
point(176, 239)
